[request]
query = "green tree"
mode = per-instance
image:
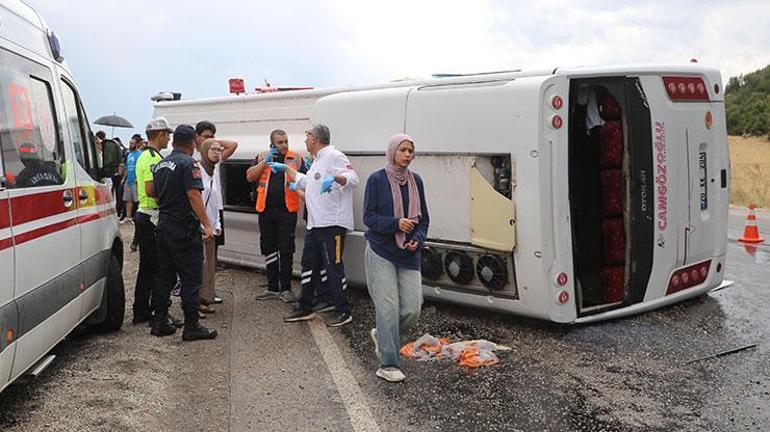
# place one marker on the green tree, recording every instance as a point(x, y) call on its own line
point(747, 103)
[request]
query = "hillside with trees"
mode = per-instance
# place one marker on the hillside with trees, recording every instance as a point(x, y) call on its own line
point(747, 104)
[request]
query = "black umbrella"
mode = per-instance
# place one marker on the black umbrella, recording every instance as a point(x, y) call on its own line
point(114, 121)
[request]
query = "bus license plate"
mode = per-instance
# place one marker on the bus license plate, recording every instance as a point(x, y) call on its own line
point(704, 199)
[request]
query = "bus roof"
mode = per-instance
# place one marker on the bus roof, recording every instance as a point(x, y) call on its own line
point(580, 71)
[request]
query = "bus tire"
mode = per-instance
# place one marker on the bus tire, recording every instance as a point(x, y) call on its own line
point(113, 301)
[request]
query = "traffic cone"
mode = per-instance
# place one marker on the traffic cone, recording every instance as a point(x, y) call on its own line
point(751, 231)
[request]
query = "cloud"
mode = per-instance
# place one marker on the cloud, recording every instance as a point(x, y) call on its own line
point(405, 37)
point(124, 52)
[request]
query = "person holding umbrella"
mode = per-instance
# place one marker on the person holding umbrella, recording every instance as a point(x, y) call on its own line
point(114, 121)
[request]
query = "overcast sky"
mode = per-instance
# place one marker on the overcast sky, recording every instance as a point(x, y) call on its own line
point(123, 52)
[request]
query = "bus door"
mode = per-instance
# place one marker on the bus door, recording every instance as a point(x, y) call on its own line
point(707, 165)
point(686, 186)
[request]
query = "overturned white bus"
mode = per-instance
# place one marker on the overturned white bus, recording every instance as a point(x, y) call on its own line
point(568, 195)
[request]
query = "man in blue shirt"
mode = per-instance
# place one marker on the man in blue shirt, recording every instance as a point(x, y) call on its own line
point(130, 192)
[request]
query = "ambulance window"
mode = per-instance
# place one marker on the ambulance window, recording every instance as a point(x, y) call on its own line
point(32, 152)
point(79, 132)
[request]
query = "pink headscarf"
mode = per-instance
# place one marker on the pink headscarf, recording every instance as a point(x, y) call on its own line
point(398, 177)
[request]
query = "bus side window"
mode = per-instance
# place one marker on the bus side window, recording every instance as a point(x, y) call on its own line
point(32, 151)
point(236, 190)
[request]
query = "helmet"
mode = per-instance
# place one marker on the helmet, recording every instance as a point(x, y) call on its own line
point(27, 150)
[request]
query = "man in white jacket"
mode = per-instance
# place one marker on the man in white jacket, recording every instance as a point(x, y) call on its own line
point(328, 187)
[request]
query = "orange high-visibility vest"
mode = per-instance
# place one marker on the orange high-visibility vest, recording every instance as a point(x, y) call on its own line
point(291, 197)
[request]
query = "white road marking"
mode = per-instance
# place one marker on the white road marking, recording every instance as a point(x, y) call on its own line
point(355, 404)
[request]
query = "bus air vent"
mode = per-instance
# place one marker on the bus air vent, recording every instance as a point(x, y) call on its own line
point(459, 267)
point(492, 272)
point(430, 263)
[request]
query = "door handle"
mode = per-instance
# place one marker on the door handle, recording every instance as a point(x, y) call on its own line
point(67, 198)
point(82, 195)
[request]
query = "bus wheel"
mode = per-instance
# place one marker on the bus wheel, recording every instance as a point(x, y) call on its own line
point(114, 301)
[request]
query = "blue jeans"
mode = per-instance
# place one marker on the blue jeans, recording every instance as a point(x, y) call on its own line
point(397, 296)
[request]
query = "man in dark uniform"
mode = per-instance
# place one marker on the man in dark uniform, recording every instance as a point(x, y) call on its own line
point(36, 172)
point(177, 184)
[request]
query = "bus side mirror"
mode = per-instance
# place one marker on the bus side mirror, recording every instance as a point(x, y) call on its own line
point(110, 158)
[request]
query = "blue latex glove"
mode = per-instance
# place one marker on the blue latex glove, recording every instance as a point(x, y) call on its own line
point(270, 155)
point(277, 167)
point(327, 183)
point(307, 161)
point(293, 187)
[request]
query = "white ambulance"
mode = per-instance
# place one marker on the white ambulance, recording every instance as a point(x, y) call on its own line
point(568, 195)
point(60, 249)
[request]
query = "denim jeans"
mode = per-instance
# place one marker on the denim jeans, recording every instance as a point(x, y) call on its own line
point(397, 296)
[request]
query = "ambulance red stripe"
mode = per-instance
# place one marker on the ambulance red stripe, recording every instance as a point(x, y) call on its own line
point(29, 208)
point(44, 231)
point(96, 216)
point(5, 218)
point(6, 243)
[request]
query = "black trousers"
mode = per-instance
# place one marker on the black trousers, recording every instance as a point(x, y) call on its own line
point(180, 252)
point(146, 282)
point(276, 241)
point(322, 268)
point(135, 240)
point(120, 206)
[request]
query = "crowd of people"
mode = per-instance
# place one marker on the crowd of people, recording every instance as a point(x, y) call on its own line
point(178, 218)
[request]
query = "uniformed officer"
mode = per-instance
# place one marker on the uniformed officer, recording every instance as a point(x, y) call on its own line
point(146, 220)
point(182, 225)
point(328, 187)
point(36, 172)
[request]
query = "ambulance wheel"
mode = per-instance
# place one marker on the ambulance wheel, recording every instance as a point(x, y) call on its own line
point(114, 301)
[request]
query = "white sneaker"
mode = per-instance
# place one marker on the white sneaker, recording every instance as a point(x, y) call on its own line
point(373, 334)
point(390, 374)
point(286, 296)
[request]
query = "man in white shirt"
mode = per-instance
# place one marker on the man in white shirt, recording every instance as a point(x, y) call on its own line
point(328, 187)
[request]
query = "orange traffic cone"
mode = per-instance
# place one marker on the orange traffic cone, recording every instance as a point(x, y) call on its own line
point(751, 231)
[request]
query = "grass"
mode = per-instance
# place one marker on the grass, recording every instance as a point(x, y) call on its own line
point(750, 164)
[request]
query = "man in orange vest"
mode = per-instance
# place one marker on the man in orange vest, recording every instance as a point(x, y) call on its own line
point(277, 206)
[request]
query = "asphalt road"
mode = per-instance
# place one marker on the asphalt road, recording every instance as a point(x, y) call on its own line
point(263, 375)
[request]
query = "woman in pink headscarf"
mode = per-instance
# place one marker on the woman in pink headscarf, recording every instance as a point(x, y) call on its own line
point(397, 217)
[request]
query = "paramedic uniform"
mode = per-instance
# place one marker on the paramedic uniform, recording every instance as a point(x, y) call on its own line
point(277, 206)
point(330, 216)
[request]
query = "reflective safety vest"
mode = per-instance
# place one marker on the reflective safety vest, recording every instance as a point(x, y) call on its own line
point(291, 197)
